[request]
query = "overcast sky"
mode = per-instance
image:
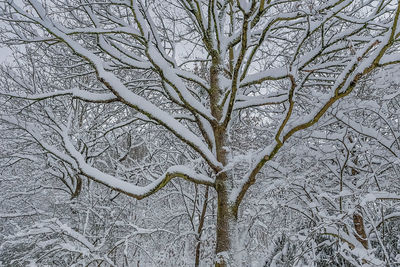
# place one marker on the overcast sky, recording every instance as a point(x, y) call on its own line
point(4, 53)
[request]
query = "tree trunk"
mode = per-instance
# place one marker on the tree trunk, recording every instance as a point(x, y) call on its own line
point(226, 247)
point(200, 229)
point(358, 221)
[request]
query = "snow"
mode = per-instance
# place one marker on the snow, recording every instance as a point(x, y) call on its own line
point(255, 158)
point(120, 54)
point(127, 187)
point(76, 93)
point(172, 78)
point(18, 214)
point(270, 74)
point(390, 59)
point(342, 56)
point(245, 5)
point(253, 101)
point(364, 129)
point(136, 101)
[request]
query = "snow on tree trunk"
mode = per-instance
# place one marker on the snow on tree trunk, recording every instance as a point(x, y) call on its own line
point(227, 244)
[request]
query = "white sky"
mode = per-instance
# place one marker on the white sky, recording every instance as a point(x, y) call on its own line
point(4, 53)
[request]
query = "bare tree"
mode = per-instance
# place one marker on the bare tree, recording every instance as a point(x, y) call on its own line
point(274, 69)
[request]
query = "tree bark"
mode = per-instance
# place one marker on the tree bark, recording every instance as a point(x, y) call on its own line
point(226, 243)
point(200, 229)
point(358, 221)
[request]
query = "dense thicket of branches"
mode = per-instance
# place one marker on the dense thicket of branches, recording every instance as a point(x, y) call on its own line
point(191, 132)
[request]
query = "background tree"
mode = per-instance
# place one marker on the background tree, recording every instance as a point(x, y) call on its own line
point(103, 78)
